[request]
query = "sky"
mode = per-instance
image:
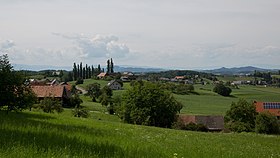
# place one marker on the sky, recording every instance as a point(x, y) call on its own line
point(185, 34)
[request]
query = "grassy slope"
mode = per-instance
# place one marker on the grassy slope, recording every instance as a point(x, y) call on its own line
point(34, 134)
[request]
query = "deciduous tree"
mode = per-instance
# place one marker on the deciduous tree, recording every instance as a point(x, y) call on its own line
point(147, 104)
point(13, 93)
point(241, 116)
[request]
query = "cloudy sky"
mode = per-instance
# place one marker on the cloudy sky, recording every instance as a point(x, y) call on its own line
point(187, 34)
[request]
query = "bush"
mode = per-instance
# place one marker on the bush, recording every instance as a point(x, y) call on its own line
point(79, 81)
point(51, 104)
point(190, 126)
point(241, 116)
point(80, 112)
point(239, 126)
point(74, 101)
point(267, 123)
point(183, 89)
point(222, 90)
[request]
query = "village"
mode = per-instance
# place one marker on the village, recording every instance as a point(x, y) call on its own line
point(62, 91)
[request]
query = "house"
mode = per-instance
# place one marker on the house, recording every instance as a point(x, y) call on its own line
point(127, 76)
point(60, 92)
point(35, 82)
point(53, 82)
point(272, 107)
point(179, 77)
point(114, 85)
point(102, 75)
point(125, 79)
point(212, 122)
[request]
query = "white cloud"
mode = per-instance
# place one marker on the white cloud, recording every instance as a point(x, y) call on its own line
point(6, 45)
point(98, 46)
point(93, 50)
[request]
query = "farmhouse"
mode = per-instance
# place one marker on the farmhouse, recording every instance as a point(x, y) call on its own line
point(179, 77)
point(114, 85)
point(272, 107)
point(61, 92)
point(102, 75)
point(213, 123)
point(127, 76)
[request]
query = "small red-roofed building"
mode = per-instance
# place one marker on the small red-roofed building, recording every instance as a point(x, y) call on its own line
point(272, 107)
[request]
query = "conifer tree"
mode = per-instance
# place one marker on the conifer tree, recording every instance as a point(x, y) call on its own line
point(78, 71)
point(89, 72)
point(108, 66)
point(99, 69)
point(112, 66)
point(84, 73)
point(92, 70)
point(81, 70)
point(75, 72)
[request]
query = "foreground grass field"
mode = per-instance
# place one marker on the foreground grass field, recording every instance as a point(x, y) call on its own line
point(35, 134)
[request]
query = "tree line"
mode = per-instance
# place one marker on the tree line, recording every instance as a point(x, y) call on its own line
point(87, 71)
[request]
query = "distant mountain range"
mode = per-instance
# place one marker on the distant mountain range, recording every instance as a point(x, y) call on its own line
point(40, 67)
point(136, 69)
point(238, 70)
point(222, 71)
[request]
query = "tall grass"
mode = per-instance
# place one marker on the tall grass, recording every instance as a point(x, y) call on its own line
point(34, 134)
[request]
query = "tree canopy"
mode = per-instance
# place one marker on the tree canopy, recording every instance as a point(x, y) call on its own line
point(13, 93)
point(222, 90)
point(147, 104)
point(241, 116)
point(267, 123)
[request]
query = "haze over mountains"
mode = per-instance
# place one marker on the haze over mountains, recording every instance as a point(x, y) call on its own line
point(222, 71)
point(238, 70)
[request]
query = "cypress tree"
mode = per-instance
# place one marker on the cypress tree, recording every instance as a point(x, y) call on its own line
point(92, 70)
point(108, 66)
point(81, 70)
point(78, 71)
point(84, 73)
point(75, 72)
point(89, 72)
point(99, 69)
point(112, 66)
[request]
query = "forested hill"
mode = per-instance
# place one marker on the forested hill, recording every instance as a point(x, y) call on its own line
point(238, 70)
point(173, 73)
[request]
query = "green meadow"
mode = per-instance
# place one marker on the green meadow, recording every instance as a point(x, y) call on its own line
point(36, 134)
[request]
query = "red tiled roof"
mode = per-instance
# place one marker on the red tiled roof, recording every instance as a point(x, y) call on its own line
point(46, 91)
point(179, 77)
point(272, 107)
point(102, 74)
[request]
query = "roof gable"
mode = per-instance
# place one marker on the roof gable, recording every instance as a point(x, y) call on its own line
point(49, 91)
